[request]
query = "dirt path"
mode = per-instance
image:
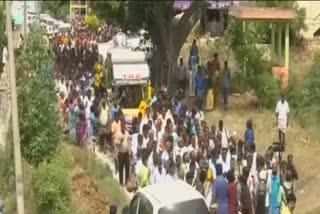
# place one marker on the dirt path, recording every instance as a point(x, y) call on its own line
point(86, 194)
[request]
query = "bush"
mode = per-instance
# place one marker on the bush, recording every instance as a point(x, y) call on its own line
point(7, 173)
point(51, 186)
point(3, 38)
point(268, 90)
point(91, 21)
point(38, 113)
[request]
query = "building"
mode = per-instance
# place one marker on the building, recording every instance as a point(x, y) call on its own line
point(79, 8)
point(312, 18)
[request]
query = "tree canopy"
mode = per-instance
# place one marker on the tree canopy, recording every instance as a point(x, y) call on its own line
point(58, 9)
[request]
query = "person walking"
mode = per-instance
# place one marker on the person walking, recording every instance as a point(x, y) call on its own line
point(282, 118)
point(225, 84)
point(200, 85)
point(124, 152)
point(210, 99)
point(182, 71)
point(216, 76)
point(220, 191)
point(193, 65)
point(275, 184)
point(5, 58)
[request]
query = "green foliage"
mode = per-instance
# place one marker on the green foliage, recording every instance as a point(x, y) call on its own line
point(304, 98)
point(254, 72)
point(58, 9)
point(7, 173)
point(51, 186)
point(267, 90)
point(112, 11)
point(38, 117)
point(91, 21)
point(3, 38)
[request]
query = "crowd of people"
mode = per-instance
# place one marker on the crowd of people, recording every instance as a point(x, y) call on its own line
point(171, 140)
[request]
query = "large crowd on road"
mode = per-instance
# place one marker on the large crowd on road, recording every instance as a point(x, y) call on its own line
point(171, 140)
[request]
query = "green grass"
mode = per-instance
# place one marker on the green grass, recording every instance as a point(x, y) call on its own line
point(102, 175)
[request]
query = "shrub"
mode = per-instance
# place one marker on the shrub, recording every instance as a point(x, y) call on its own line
point(7, 173)
point(91, 21)
point(38, 117)
point(3, 38)
point(268, 90)
point(51, 186)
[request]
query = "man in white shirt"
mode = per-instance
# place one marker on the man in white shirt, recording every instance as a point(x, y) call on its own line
point(4, 58)
point(224, 160)
point(282, 118)
point(159, 173)
point(224, 133)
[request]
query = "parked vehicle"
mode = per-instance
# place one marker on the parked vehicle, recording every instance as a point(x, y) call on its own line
point(167, 198)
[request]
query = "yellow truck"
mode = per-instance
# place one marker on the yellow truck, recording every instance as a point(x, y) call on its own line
point(129, 77)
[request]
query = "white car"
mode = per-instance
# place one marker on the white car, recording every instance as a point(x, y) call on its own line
point(175, 197)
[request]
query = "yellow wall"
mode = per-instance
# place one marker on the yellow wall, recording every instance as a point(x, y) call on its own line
point(312, 17)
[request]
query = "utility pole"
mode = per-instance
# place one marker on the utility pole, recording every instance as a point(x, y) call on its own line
point(25, 19)
point(15, 122)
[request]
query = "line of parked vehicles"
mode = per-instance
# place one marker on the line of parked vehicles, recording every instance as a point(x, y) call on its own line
point(50, 24)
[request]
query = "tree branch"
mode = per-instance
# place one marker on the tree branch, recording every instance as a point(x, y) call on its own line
point(188, 20)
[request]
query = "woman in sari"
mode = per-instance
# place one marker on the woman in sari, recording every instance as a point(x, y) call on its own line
point(82, 128)
point(72, 120)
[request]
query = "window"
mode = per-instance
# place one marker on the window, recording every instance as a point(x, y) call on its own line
point(145, 206)
point(197, 206)
point(134, 205)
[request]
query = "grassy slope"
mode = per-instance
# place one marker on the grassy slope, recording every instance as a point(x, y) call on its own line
point(303, 142)
point(100, 173)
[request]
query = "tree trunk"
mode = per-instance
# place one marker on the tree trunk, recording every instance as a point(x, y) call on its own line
point(168, 40)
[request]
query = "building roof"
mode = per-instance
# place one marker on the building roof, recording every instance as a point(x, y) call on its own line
point(262, 13)
point(172, 192)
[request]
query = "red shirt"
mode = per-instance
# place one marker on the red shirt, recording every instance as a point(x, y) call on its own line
point(232, 198)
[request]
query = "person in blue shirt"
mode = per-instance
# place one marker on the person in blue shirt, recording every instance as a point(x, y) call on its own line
point(114, 109)
point(200, 85)
point(225, 83)
point(220, 191)
point(249, 133)
point(193, 65)
point(274, 207)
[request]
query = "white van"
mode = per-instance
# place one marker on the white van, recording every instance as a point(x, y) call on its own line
point(168, 198)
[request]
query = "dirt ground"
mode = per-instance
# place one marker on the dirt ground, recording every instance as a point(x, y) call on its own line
point(301, 143)
point(86, 194)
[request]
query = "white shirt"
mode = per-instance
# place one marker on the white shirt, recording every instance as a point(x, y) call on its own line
point(134, 144)
point(145, 142)
point(225, 165)
point(88, 104)
point(224, 137)
point(4, 55)
point(282, 109)
point(157, 176)
point(169, 178)
point(138, 166)
point(63, 88)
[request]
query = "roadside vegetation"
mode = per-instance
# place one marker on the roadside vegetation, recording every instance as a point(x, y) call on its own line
point(47, 162)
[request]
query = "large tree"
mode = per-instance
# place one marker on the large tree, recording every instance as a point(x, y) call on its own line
point(168, 34)
point(58, 9)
